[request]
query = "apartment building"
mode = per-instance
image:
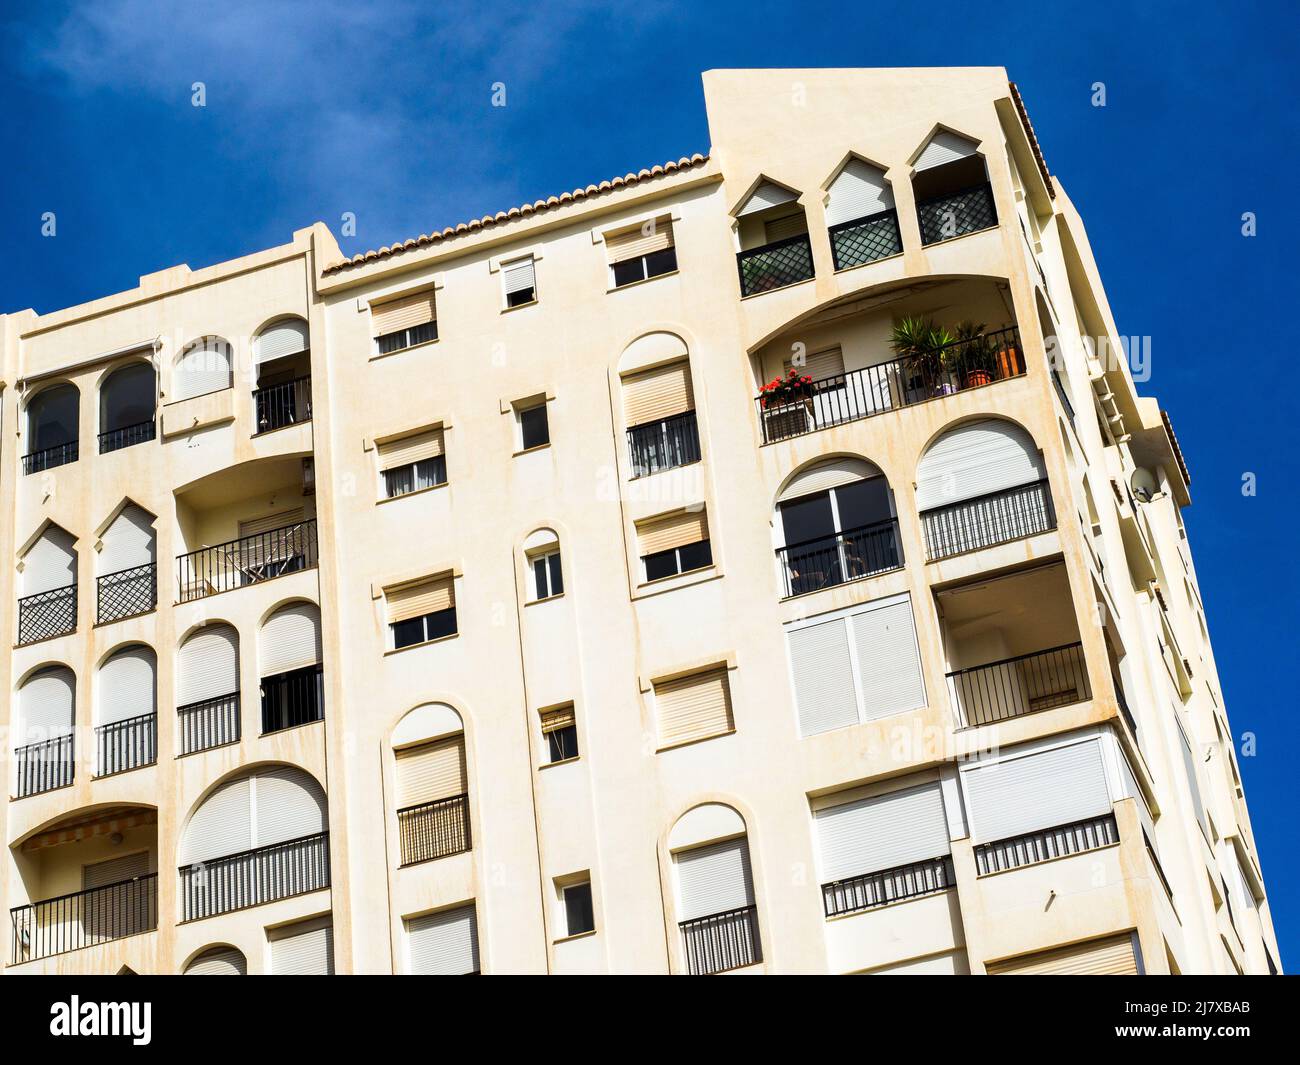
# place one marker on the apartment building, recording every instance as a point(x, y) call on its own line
point(761, 562)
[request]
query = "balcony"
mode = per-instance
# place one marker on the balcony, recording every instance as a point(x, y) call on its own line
point(886, 386)
point(207, 724)
point(292, 699)
point(776, 265)
point(871, 890)
point(125, 745)
point(46, 615)
point(436, 829)
point(721, 941)
point(247, 560)
point(50, 457)
point(1076, 838)
point(833, 560)
point(663, 445)
point(985, 521)
point(956, 214)
point(1013, 687)
point(864, 240)
point(283, 404)
point(84, 918)
point(44, 766)
point(126, 593)
point(255, 877)
point(127, 436)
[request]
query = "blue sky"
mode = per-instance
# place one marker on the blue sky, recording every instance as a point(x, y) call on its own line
point(384, 110)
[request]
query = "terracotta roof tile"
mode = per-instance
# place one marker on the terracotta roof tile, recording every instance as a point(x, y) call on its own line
point(1033, 139)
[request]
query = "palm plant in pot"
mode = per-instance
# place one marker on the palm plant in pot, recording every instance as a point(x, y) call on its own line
point(973, 356)
point(922, 347)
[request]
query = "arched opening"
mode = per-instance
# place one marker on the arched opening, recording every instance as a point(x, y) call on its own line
point(860, 215)
point(289, 660)
point(218, 961)
point(126, 407)
point(43, 741)
point(282, 359)
point(772, 231)
point(658, 404)
point(207, 365)
point(128, 573)
point(432, 784)
point(53, 426)
point(126, 725)
point(48, 606)
point(207, 688)
point(950, 181)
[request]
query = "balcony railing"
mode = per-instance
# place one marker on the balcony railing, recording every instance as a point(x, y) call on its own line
point(870, 890)
point(49, 457)
point(209, 723)
point(721, 941)
point(284, 404)
point(248, 560)
point(1022, 685)
point(1050, 843)
point(292, 699)
point(434, 829)
point(864, 240)
point(997, 518)
point(126, 593)
point(847, 556)
point(664, 444)
point(886, 386)
point(126, 436)
point(254, 877)
point(44, 766)
point(47, 614)
point(84, 918)
point(775, 265)
point(945, 217)
point(127, 744)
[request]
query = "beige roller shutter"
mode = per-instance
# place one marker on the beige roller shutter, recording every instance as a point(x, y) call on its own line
point(821, 365)
point(405, 312)
point(409, 449)
point(431, 771)
point(645, 239)
point(1112, 956)
point(657, 394)
point(114, 871)
point(560, 717)
point(675, 530)
point(271, 522)
point(416, 600)
point(792, 225)
point(694, 707)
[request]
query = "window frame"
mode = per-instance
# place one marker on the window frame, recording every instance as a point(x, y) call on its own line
point(588, 910)
point(707, 546)
point(414, 467)
point(552, 564)
point(521, 439)
point(506, 295)
point(425, 629)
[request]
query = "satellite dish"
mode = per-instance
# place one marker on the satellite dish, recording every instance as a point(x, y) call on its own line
point(1143, 484)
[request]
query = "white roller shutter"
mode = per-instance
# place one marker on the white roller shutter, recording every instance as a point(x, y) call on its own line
point(823, 677)
point(778, 229)
point(954, 963)
point(1045, 789)
point(114, 871)
point(859, 191)
point(520, 276)
point(714, 879)
point(287, 804)
point(443, 944)
point(976, 459)
point(279, 339)
point(827, 475)
point(220, 961)
point(128, 542)
point(945, 147)
point(127, 685)
point(51, 563)
point(768, 194)
point(209, 665)
point(222, 825)
point(47, 702)
point(883, 832)
point(304, 950)
point(203, 369)
point(889, 660)
point(290, 639)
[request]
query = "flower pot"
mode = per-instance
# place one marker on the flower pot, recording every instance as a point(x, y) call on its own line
point(975, 378)
point(1009, 362)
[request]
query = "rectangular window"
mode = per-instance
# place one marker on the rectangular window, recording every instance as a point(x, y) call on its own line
point(421, 612)
point(534, 429)
point(548, 580)
point(579, 914)
point(520, 281)
point(560, 729)
point(641, 252)
point(412, 463)
point(693, 707)
point(677, 543)
point(415, 477)
point(404, 322)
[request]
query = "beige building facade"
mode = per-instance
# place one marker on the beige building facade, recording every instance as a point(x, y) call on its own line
point(760, 563)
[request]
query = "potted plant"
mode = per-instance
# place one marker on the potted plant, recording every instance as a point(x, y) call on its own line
point(923, 349)
point(789, 388)
point(973, 355)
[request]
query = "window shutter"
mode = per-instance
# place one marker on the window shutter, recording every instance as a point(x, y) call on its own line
point(128, 542)
point(203, 369)
point(693, 707)
point(657, 394)
point(820, 365)
point(288, 804)
point(768, 194)
point(889, 660)
point(405, 312)
point(280, 339)
point(1045, 789)
point(410, 449)
point(431, 771)
point(47, 704)
point(219, 961)
point(280, 520)
point(209, 665)
point(823, 677)
point(977, 459)
point(127, 685)
point(714, 879)
point(519, 276)
point(114, 871)
point(1112, 956)
point(859, 191)
point(640, 240)
point(675, 530)
point(290, 639)
point(416, 600)
point(51, 563)
point(827, 475)
point(883, 832)
point(443, 944)
point(944, 147)
point(560, 717)
point(304, 950)
point(792, 225)
point(222, 825)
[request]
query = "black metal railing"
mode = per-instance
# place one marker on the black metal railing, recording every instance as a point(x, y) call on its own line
point(945, 217)
point(292, 699)
point(1022, 685)
point(49, 457)
point(84, 918)
point(254, 877)
point(887, 386)
point(126, 436)
point(284, 404)
point(997, 518)
point(127, 744)
point(847, 556)
point(721, 941)
point(208, 723)
point(44, 766)
point(864, 240)
point(664, 444)
point(775, 265)
point(47, 614)
point(1124, 710)
point(870, 890)
point(248, 560)
point(1046, 844)
point(434, 829)
point(126, 593)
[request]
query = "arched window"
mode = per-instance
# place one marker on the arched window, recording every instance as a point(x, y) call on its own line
point(126, 729)
point(837, 524)
point(289, 654)
point(48, 606)
point(207, 688)
point(432, 784)
point(982, 483)
point(205, 366)
point(658, 404)
point(43, 741)
point(126, 407)
point(951, 184)
point(861, 216)
point(281, 352)
point(257, 837)
point(773, 233)
point(128, 574)
point(542, 560)
point(53, 426)
point(218, 961)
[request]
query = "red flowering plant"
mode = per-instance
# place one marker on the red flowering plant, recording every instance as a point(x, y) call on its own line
point(790, 387)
